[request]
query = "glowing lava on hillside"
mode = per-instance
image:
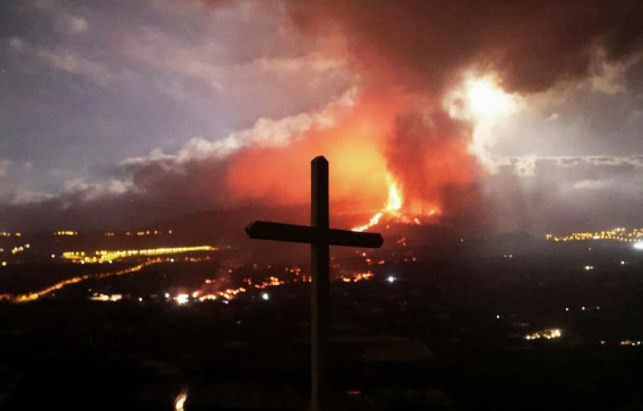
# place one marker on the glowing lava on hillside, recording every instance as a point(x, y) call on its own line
point(393, 209)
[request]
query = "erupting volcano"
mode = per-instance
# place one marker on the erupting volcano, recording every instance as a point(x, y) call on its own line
point(393, 210)
point(401, 157)
point(396, 155)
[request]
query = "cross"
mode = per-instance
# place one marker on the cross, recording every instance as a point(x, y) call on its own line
point(320, 236)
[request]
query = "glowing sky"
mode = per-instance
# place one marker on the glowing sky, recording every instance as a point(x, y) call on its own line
point(112, 112)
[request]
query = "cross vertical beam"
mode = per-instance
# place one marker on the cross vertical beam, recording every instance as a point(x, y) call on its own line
point(319, 320)
point(320, 236)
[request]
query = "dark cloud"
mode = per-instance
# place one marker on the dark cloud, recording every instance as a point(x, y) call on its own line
point(158, 192)
point(425, 48)
point(530, 44)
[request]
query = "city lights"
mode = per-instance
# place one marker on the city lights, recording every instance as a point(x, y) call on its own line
point(357, 277)
point(548, 334)
point(106, 297)
point(616, 234)
point(19, 249)
point(182, 298)
point(68, 233)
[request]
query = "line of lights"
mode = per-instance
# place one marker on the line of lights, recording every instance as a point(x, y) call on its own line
point(34, 295)
point(68, 233)
point(617, 234)
point(140, 233)
point(630, 342)
point(20, 249)
point(72, 233)
point(102, 256)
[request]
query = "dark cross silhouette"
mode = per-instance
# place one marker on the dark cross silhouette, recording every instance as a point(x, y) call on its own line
point(320, 237)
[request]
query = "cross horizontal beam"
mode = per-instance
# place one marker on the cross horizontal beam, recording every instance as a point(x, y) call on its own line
point(265, 230)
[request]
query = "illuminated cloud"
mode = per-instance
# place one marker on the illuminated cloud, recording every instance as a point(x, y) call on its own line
point(527, 165)
point(92, 191)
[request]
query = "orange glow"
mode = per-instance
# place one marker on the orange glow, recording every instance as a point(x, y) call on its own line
point(394, 202)
point(390, 153)
point(373, 221)
point(393, 209)
point(227, 294)
point(357, 277)
point(353, 146)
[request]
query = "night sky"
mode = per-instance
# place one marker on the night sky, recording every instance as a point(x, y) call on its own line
point(519, 117)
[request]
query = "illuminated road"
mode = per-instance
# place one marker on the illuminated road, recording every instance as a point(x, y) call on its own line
point(616, 234)
point(34, 295)
point(104, 256)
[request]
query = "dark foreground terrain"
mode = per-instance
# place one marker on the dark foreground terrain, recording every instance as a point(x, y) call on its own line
point(446, 331)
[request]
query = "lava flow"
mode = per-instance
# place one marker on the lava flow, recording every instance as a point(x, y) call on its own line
point(393, 209)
